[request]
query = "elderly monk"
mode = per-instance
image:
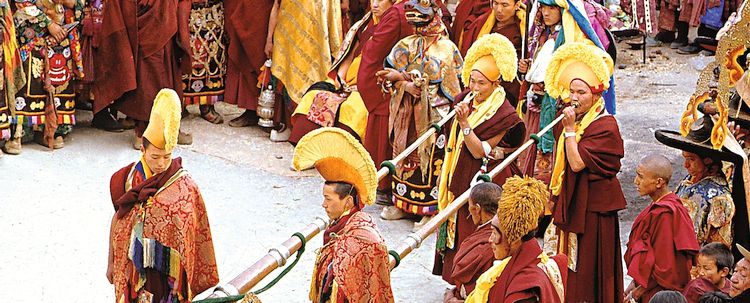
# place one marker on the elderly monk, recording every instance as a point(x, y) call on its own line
point(485, 129)
point(586, 194)
point(352, 265)
point(475, 255)
point(662, 244)
point(160, 240)
point(522, 272)
point(146, 47)
point(740, 289)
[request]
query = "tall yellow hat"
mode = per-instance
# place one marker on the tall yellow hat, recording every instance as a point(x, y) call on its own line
point(338, 157)
point(494, 56)
point(578, 60)
point(521, 206)
point(164, 122)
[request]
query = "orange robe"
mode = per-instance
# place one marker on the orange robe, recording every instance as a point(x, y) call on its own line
point(661, 247)
point(162, 248)
point(353, 265)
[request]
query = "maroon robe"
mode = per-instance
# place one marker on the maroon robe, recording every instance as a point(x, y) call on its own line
point(505, 119)
point(467, 14)
point(473, 258)
point(523, 280)
point(661, 247)
point(144, 53)
point(588, 205)
point(391, 28)
point(699, 286)
point(245, 50)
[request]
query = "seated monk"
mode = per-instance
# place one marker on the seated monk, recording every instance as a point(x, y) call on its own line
point(662, 243)
point(352, 265)
point(475, 255)
point(160, 240)
point(507, 17)
point(336, 101)
point(522, 272)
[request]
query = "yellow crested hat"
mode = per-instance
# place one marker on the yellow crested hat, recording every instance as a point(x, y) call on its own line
point(164, 122)
point(338, 157)
point(578, 60)
point(494, 56)
point(525, 198)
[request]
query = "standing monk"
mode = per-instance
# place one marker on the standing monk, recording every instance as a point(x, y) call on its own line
point(392, 28)
point(585, 190)
point(467, 14)
point(146, 45)
point(352, 266)
point(160, 240)
point(245, 55)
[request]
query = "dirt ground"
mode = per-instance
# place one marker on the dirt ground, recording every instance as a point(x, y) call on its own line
point(55, 219)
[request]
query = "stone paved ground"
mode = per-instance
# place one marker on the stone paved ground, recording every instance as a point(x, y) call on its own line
point(55, 209)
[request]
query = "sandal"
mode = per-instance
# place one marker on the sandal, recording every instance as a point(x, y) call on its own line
point(12, 147)
point(208, 113)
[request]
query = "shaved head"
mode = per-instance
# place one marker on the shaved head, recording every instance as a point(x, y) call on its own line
point(658, 165)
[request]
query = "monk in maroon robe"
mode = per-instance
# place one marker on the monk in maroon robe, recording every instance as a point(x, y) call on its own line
point(247, 38)
point(475, 255)
point(145, 45)
point(522, 272)
point(392, 28)
point(662, 242)
point(467, 14)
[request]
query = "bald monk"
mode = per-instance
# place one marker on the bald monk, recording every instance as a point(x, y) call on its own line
point(475, 256)
point(662, 244)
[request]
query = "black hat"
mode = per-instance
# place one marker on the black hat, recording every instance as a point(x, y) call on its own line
point(698, 141)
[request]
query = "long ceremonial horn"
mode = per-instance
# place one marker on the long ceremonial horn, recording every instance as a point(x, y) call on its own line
point(414, 240)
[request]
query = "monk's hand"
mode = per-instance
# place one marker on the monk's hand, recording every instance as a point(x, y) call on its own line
point(462, 114)
point(523, 65)
point(269, 48)
point(412, 89)
point(389, 74)
point(569, 119)
point(110, 273)
point(56, 31)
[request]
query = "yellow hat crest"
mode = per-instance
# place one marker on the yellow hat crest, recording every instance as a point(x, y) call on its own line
point(491, 46)
point(164, 122)
point(578, 60)
point(521, 206)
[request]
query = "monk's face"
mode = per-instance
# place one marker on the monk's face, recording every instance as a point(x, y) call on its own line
point(505, 10)
point(646, 181)
point(378, 7)
point(157, 159)
point(481, 86)
point(740, 279)
point(694, 164)
point(500, 249)
point(582, 97)
point(551, 14)
point(334, 205)
point(708, 270)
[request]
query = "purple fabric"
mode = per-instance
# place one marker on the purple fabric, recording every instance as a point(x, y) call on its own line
point(599, 18)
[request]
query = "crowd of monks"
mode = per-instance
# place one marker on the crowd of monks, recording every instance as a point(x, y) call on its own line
point(355, 83)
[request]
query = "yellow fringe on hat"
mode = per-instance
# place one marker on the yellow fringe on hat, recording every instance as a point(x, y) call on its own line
point(596, 59)
point(338, 157)
point(497, 46)
point(520, 206)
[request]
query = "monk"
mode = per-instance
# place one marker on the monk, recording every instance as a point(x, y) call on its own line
point(662, 244)
point(145, 45)
point(507, 17)
point(245, 55)
point(468, 12)
point(740, 289)
point(586, 193)
point(475, 255)
point(336, 101)
point(161, 249)
point(522, 272)
point(352, 265)
point(13, 79)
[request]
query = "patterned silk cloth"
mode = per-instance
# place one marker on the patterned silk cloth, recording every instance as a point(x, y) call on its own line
point(711, 207)
point(205, 83)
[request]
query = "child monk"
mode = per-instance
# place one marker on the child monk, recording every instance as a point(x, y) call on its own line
point(715, 261)
point(662, 242)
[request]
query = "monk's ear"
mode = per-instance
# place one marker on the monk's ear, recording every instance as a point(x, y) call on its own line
point(724, 272)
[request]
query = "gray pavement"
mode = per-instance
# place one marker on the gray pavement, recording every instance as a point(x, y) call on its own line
point(55, 207)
